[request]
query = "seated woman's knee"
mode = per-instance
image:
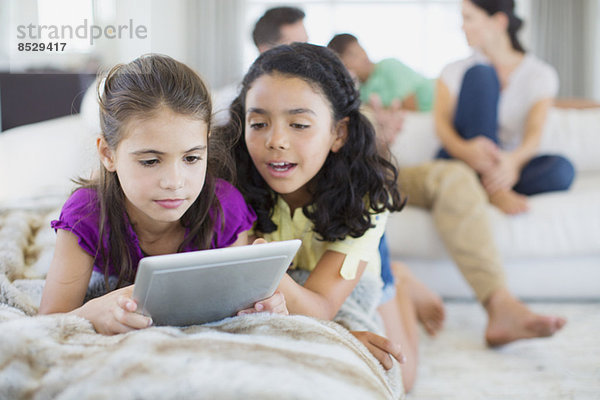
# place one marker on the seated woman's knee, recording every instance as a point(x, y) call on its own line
point(480, 73)
point(563, 173)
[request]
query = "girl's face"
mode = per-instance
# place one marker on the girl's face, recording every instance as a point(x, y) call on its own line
point(477, 25)
point(289, 133)
point(161, 165)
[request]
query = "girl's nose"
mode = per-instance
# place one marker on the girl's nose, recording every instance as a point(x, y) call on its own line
point(277, 139)
point(173, 177)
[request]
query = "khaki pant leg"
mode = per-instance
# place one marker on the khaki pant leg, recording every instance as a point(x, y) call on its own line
point(458, 203)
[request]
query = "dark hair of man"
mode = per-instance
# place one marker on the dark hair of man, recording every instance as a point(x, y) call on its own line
point(339, 43)
point(267, 30)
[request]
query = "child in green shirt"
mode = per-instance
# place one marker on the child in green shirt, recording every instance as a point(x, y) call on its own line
point(389, 79)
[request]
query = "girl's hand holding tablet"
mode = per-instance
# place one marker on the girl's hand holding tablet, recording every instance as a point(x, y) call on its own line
point(114, 313)
point(274, 304)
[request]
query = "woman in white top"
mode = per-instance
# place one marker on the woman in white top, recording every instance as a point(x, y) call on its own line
point(491, 109)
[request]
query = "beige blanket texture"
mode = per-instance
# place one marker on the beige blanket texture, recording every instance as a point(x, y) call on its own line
point(259, 356)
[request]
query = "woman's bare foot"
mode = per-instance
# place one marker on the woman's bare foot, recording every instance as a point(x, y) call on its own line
point(511, 320)
point(429, 306)
point(509, 201)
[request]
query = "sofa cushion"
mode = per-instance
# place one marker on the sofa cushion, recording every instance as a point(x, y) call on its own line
point(41, 159)
point(558, 224)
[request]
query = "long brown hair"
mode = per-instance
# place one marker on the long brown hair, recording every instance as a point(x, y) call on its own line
point(137, 90)
point(507, 7)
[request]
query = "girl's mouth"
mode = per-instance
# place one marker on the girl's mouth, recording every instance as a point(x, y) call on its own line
point(281, 169)
point(281, 166)
point(170, 203)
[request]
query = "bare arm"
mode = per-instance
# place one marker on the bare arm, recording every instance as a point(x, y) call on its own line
point(410, 102)
point(324, 291)
point(443, 116)
point(479, 153)
point(66, 285)
point(242, 239)
point(532, 137)
point(68, 276)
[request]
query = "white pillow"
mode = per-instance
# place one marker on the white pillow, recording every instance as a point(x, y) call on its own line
point(417, 142)
point(574, 133)
point(39, 160)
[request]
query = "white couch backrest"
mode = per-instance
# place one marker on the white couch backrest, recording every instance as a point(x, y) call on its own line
point(574, 133)
point(417, 142)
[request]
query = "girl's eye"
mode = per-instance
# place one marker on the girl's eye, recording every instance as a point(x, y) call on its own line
point(192, 159)
point(149, 163)
point(257, 125)
point(299, 126)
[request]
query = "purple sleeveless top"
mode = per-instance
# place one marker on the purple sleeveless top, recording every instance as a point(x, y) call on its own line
point(81, 213)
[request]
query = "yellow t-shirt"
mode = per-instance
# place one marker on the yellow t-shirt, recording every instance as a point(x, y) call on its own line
point(365, 248)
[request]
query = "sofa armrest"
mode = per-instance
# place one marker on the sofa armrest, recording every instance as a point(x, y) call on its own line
point(576, 103)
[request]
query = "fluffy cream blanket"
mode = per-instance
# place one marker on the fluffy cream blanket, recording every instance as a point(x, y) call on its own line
point(258, 356)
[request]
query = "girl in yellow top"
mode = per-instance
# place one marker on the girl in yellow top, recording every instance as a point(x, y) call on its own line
point(308, 165)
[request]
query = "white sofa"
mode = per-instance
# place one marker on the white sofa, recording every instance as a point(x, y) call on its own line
point(551, 252)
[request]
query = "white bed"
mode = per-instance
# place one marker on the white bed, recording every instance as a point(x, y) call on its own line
point(259, 356)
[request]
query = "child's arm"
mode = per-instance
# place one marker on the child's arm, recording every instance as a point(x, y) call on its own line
point(68, 276)
point(324, 291)
point(382, 348)
point(242, 239)
point(66, 285)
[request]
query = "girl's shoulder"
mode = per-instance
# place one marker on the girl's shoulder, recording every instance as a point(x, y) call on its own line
point(80, 215)
point(228, 195)
point(83, 203)
point(237, 215)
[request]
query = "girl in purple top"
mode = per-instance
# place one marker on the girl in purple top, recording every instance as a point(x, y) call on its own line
point(156, 193)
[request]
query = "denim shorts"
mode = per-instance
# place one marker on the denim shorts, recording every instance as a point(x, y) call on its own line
point(389, 284)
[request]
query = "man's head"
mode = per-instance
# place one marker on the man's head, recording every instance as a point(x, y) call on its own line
point(279, 25)
point(352, 54)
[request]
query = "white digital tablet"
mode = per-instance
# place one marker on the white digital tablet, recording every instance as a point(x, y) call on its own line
point(203, 286)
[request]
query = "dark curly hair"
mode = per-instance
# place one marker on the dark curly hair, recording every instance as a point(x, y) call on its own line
point(354, 182)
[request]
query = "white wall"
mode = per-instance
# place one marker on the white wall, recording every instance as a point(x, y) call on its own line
point(595, 50)
point(4, 35)
point(591, 58)
point(165, 22)
point(170, 30)
point(166, 30)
